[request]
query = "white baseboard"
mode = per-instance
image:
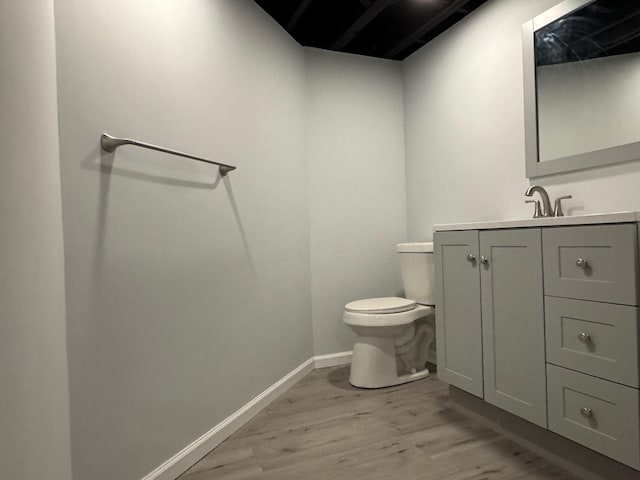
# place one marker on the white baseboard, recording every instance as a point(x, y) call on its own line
point(332, 359)
point(183, 460)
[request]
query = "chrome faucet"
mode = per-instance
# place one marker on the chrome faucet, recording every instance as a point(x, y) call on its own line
point(544, 196)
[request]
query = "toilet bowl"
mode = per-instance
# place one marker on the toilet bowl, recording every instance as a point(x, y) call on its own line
point(393, 334)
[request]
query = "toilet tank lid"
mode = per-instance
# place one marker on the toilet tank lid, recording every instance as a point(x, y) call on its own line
point(416, 247)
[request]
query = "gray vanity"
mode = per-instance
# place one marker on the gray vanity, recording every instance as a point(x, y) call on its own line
point(540, 319)
point(537, 320)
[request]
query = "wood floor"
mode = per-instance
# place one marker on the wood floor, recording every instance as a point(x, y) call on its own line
point(323, 428)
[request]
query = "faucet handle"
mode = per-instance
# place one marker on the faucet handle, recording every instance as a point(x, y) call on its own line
point(557, 209)
point(537, 213)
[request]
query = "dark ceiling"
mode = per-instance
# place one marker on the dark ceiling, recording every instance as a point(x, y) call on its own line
point(378, 28)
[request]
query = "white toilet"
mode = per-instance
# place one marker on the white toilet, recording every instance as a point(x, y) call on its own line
point(393, 335)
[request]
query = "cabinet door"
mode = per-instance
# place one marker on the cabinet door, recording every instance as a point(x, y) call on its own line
point(513, 322)
point(458, 318)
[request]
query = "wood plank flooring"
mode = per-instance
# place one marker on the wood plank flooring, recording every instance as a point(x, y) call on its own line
point(325, 429)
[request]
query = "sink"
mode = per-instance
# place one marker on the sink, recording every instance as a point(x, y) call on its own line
point(614, 217)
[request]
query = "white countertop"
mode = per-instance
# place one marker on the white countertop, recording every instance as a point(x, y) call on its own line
point(615, 217)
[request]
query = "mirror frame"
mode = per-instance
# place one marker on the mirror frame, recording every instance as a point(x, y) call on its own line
point(597, 158)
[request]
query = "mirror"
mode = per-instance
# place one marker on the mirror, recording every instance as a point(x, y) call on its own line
point(582, 86)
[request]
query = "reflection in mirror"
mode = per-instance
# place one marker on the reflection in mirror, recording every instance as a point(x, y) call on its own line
point(587, 85)
point(588, 79)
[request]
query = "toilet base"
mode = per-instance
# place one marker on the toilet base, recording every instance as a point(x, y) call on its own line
point(373, 364)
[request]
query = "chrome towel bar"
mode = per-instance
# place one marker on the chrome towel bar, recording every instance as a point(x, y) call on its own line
point(109, 144)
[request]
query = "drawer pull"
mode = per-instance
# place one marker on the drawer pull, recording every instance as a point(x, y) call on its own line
point(586, 412)
point(471, 257)
point(584, 337)
point(581, 263)
point(484, 260)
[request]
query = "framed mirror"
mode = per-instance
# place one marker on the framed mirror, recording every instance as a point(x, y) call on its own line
point(582, 86)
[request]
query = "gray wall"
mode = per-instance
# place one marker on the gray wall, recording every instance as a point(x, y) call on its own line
point(355, 148)
point(464, 120)
point(187, 296)
point(465, 129)
point(34, 403)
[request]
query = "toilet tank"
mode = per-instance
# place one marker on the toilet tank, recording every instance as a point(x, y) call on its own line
point(416, 265)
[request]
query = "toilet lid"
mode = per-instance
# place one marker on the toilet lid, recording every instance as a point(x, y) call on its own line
point(381, 305)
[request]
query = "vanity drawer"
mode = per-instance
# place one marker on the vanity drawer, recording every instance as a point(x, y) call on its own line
point(600, 339)
point(598, 414)
point(591, 263)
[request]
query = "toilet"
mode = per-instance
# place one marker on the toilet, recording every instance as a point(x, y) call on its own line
point(393, 334)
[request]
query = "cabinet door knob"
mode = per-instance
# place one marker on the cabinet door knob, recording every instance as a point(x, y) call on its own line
point(471, 257)
point(584, 337)
point(581, 263)
point(586, 412)
point(484, 260)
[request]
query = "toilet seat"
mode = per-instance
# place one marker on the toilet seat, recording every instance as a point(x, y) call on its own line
point(381, 306)
point(375, 320)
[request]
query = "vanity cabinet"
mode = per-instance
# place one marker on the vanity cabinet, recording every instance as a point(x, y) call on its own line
point(558, 348)
point(490, 318)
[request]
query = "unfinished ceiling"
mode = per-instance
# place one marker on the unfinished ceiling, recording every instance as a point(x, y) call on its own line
point(378, 28)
